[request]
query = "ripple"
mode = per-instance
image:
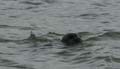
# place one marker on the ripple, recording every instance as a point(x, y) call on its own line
point(99, 4)
point(32, 38)
point(114, 59)
point(31, 3)
point(14, 16)
point(10, 63)
point(88, 16)
point(9, 0)
point(112, 35)
point(105, 36)
point(18, 27)
point(105, 22)
point(45, 50)
point(49, 1)
point(28, 8)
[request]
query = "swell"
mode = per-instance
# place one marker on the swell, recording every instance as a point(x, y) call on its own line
point(18, 27)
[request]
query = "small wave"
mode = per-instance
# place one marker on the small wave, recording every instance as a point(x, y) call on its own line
point(14, 16)
point(31, 7)
point(19, 27)
point(106, 58)
point(10, 63)
point(49, 1)
point(88, 16)
point(8, 8)
point(49, 37)
point(99, 4)
point(115, 59)
point(105, 22)
point(91, 15)
point(31, 3)
point(9, 0)
point(105, 36)
point(111, 35)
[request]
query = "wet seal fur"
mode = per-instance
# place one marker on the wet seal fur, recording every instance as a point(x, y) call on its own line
point(67, 39)
point(71, 39)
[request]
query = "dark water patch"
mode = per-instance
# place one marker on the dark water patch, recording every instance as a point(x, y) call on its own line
point(31, 7)
point(70, 2)
point(88, 16)
point(5, 40)
point(81, 59)
point(99, 4)
point(14, 16)
point(86, 53)
point(109, 30)
point(10, 63)
point(9, 8)
point(99, 49)
point(19, 42)
point(2, 14)
point(64, 16)
point(48, 44)
point(91, 15)
point(116, 47)
point(73, 55)
point(31, 3)
point(2, 3)
point(65, 53)
point(21, 67)
point(6, 62)
point(105, 14)
point(114, 59)
point(36, 11)
point(105, 22)
point(39, 60)
point(24, 41)
point(4, 26)
point(49, 1)
point(2, 53)
point(9, 0)
point(107, 58)
point(29, 28)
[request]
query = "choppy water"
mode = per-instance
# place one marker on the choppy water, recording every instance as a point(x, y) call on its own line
point(97, 21)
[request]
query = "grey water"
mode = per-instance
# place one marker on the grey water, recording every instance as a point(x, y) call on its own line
point(96, 21)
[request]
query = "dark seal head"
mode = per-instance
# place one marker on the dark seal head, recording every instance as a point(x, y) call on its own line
point(71, 39)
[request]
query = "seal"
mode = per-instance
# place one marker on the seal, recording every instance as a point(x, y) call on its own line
point(71, 39)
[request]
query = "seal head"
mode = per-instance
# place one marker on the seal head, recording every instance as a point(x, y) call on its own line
point(71, 39)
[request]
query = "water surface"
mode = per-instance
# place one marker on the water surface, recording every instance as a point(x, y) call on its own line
point(96, 21)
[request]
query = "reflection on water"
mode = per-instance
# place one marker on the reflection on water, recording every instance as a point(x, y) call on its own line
point(95, 21)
